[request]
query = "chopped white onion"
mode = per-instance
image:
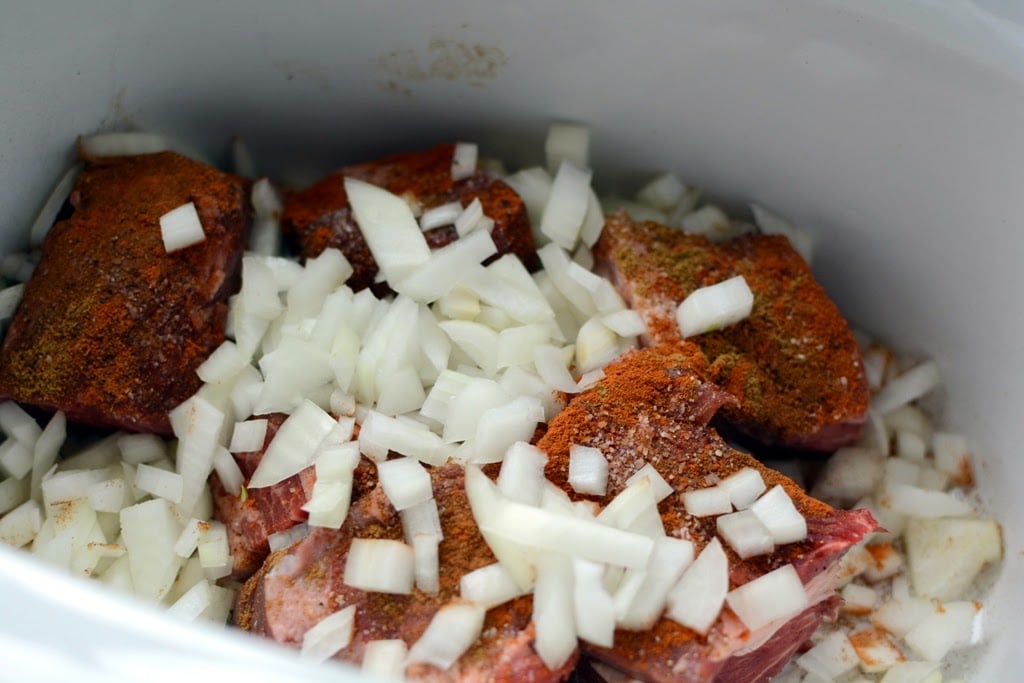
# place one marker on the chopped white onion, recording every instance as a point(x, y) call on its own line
point(521, 478)
point(426, 567)
point(439, 216)
point(776, 511)
point(588, 470)
point(467, 406)
point(566, 205)
point(469, 218)
point(908, 387)
point(19, 526)
point(715, 306)
point(329, 635)
point(770, 597)
point(224, 363)
point(452, 630)
point(15, 458)
point(663, 192)
point(380, 434)
point(945, 555)
point(405, 482)
point(489, 586)
point(51, 207)
point(248, 436)
point(671, 556)
point(659, 487)
point(385, 658)
point(635, 509)
point(596, 345)
point(389, 227)
point(952, 456)
point(294, 445)
point(696, 599)
point(533, 185)
point(188, 540)
point(380, 565)
point(150, 533)
point(551, 368)
point(950, 625)
point(553, 611)
point(914, 672)
point(181, 227)
point(159, 482)
point(594, 608)
point(421, 520)
point(625, 323)
point(464, 158)
point(197, 423)
point(501, 427)
point(140, 448)
point(830, 658)
point(437, 275)
point(713, 500)
point(14, 492)
point(477, 340)
point(18, 424)
point(745, 533)
point(919, 502)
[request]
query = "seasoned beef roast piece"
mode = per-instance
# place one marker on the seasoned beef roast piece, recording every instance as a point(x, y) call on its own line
point(299, 586)
point(250, 520)
point(793, 364)
point(320, 217)
point(651, 408)
point(112, 327)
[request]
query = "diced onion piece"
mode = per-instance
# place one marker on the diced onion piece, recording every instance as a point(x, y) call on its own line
point(47, 448)
point(389, 227)
point(594, 609)
point(228, 471)
point(18, 424)
point(950, 625)
point(150, 532)
point(663, 192)
point(224, 363)
point(908, 387)
point(328, 506)
point(19, 526)
point(437, 275)
point(329, 635)
point(453, 629)
point(14, 492)
point(140, 448)
point(501, 427)
point(469, 218)
point(558, 533)
point(771, 224)
point(283, 539)
point(696, 599)
point(588, 470)
point(745, 533)
point(876, 650)
point(715, 306)
point(776, 511)
point(953, 457)
point(770, 597)
point(744, 487)
point(945, 555)
point(188, 540)
point(521, 478)
point(248, 436)
point(439, 216)
point(489, 586)
point(533, 185)
point(625, 323)
point(159, 483)
point(214, 551)
point(659, 487)
point(380, 565)
point(886, 562)
point(713, 500)
point(567, 142)
point(193, 602)
point(477, 340)
point(422, 520)
point(181, 227)
point(464, 158)
point(294, 445)
point(596, 345)
point(10, 297)
point(197, 423)
point(914, 672)
point(919, 502)
point(858, 599)
point(670, 558)
point(426, 568)
point(830, 657)
point(385, 658)
point(51, 207)
point(566, 205)
point(379, 434)
point(15, 458)
point(635, 509)
point(850, 474)
point(553, 612)
point(551, 368)
point(486, 502)
point(405, 482)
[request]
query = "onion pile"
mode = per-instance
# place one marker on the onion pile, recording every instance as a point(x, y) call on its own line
point(461, 365)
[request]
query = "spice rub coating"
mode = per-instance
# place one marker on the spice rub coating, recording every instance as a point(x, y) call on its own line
point(320, 216)
point(299, 586)
point(111, 327)
point(652, 408)
point(793, 364)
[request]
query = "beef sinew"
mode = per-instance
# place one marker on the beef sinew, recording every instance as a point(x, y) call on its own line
point(320, 216)
point(651, 408)
point(299, 586)
point(252, 519)
point(793, 364)
point(112, 327)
